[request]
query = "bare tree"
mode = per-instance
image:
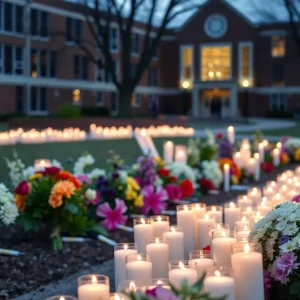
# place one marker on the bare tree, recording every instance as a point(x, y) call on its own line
point(155, 16)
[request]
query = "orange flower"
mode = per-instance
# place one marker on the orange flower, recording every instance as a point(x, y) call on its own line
point(65, 175)
point(61, 188)
point(20, 202)
point(233, 167)
point(55, 200)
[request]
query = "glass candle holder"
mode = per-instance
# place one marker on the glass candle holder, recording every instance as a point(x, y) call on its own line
point(216, 211)
point(93, 285)
point(247, 212)
point(175, 237)
point(128, 286)
point(281, 178)
point(221, 243)
point(116, 296)
point(244, 220)
point(199, 210)
point(182, 270)
point(269, 191)
point(232, 213)
point(243, 201)
point(277, 199)
point(121, 250)
point(62, 297)
point(203, 261)
point(247, 259)
point(219, 283)
point(164, 282)
point(159, 223)
point(158, 249)
point(265, 206)
point(139, 268)
point(242, 232)
point(143, 229)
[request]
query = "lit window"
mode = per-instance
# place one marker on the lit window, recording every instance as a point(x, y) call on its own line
point(245, 63)
point(216, 63)
point(278, 46)
point(76, 96)
point(187, 63)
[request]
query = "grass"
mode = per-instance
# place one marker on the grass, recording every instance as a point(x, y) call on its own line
point(128, 149)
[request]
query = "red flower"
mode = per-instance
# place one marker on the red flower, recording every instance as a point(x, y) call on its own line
point(187, 188)
point(207, 248)
point(219, 135)
point(173, 179)
point(51, 171)
point(206, 184)
point(267, 167)
point(23, 188)
point(163, 172)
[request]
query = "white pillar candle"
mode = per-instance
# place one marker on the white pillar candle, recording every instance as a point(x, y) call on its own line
point(203, 226)
point(219, 286)
point(261, 151)
point(269, 192)
point(93, 287)
point(247, 272)
point(226, 178)
point(175, 237)
point(41, 164)
point(257, 167)
point(242, 222)
point(221, 243)
point(181, 271)
point(251, 165)
point(232, 214)
point(265, 206)
point(277, 199)
point(231, 134)
point(143, 230)
point(158, 249)
point(215, 212)
point(281, 179)
point(244, 202)
point(120, 253)
point(139, 268)
point(248, 212)
point(199, 213)
point(254, 194)
point(185, 220)
point(159, 224)
point(242, 234)
point(168, 151)
point(245, 152)
point(237, 158)
point(181, 154)
point(276, 157)
point(203, 260)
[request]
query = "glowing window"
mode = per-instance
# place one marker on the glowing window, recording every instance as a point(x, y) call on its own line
point(187, 63)
point(76, 96)
point(216, 63)
point(278, 46)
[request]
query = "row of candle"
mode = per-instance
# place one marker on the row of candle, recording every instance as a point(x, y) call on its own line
point(176, 153)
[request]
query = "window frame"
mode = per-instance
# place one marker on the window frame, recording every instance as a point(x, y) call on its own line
point(38, 111)
point(182, 48)
point(272, 46)
point(100, 104)
point(114, 27)
point(278, 97)
point(136, 96)
point(48, 63)
point(136, 42)
point(251, 61)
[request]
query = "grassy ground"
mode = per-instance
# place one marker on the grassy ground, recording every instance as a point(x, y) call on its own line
point(128, 149)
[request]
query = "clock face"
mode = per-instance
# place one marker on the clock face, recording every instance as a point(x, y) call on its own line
point(215, 26)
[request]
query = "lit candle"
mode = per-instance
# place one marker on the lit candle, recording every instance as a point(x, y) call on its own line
point(41, 164)
point(203, 261)
point(220, 285)
point(276, 157)
point(232, 214)
point(231, 135)
point(143, 229)
point(247, 272)
point(244, 202)
point(237, 158)
point(64, 297)
point(242, 235)
point(257, 167)
point(158, 249)
point(168, 151)
point(181, 271)
point(277, 199)
point(242, 222)
point(226, 178)
point(221, 243)
point(254, 194)
point(127, 286)
point(159, 223)
point(199, 213)
point(203, 226)
point(185, 220)
point(93, 287)
point(251, 166)
point(139, 268)
point(247, 212)
point(215, 212)
point(120, 253)
point(180, 154)
point(175, 237)
point(261, 151)
point(265, 207)
point(269, 192)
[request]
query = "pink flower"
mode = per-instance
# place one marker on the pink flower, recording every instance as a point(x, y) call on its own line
point(296, 199)
point(160, 293)
point(84, 179)
point(154, 199)
point(287, 263)
point(92, 197)
point(113, 217)
point(284, 139)
point(174, 192)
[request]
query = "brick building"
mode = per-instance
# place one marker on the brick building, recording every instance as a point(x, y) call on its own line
point(218, 63)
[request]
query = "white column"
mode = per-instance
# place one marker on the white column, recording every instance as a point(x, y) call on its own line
point(195, 102)
point(233, 101)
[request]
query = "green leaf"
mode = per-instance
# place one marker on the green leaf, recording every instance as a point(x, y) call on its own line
point(72, 208)
point(199, 284)
point(99, 230)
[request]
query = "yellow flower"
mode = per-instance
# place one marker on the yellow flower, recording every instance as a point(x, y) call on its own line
point(234, 180)
point(133, 183)
point(139, 201)
point(35, 176)
point(159, 161)
point(297, 155)
point(129, 194)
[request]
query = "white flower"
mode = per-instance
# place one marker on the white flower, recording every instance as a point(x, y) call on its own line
point(56, 163)
point(182, 170)
point(283, 217)
point(270, 248)
point(90, 194)
point(288, 247)
point(82, 163)
point(295, 216)
point(211, 170)
point(291, 229)
point(123, 175)
point(96, 173)
point(28, 172)
point(281, 226)
point(8, 213)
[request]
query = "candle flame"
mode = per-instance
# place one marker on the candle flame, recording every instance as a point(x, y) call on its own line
point(143, 221)
point(226, 167)
point(62, 298)
point(117, 297)
point(197, 206)
point(213, 209)
point(231, 205)
point(217, 274)
point(158, 219)
point(218, 226)
point(245, 197)
point(157, 241)
point(256, 155)
point(278, 196)
point(173, 229)
point(159, 282)
point(244, 219)
point(132, 286)
point(169, 144)
point(94, 279)
point(223, 234)
point(185, 207)
point(125, 247)
point(230, 128)
point(249, 209)
point(247, 249)
point(206, 216)
point(238, 154)
point(180, 153)
point(181, 265)
point(43, 162)
point(139, 258)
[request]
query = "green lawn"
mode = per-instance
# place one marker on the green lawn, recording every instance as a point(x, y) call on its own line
point(128, 149)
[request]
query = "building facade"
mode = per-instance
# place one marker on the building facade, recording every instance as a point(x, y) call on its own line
point(218, 64)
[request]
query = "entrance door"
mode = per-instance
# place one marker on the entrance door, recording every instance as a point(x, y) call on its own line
point(216, 107)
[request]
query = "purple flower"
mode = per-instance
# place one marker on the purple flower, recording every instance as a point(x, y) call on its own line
point(146, 172)
point(283, 239)
point(287, 263)
point(225, 149)
point(115, 175)
point(84, 179)
point(160, 293)
point(101, 182)
point(280, 275)
point(267, 281)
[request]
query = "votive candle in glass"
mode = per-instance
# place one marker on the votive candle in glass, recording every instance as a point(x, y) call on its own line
point(175, 236)
point(254, 194)
point(242, 232)
point(247, 212)
point(243, 201)
point(143, 230)
point(269, 192)
point(277, 199)
point(232, 214)
point(244, 220)
point(203, 261)
point(128, 286)
point(203, 225)
point(41, 164)
point(265, 206)
point(93, 287)
point(164, 282)
point(215, 211)
point(159, 223)
point(62, 297)
point(168, 151)
point(180, 271)
point(181, 154)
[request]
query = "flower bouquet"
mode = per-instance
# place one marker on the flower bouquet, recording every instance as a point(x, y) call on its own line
point(279, 235)
point(235, 171)
point(8, 208)
point(54, 200)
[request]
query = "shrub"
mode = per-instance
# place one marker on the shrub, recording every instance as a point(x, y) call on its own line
point(69, 111)
point(91, 111)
